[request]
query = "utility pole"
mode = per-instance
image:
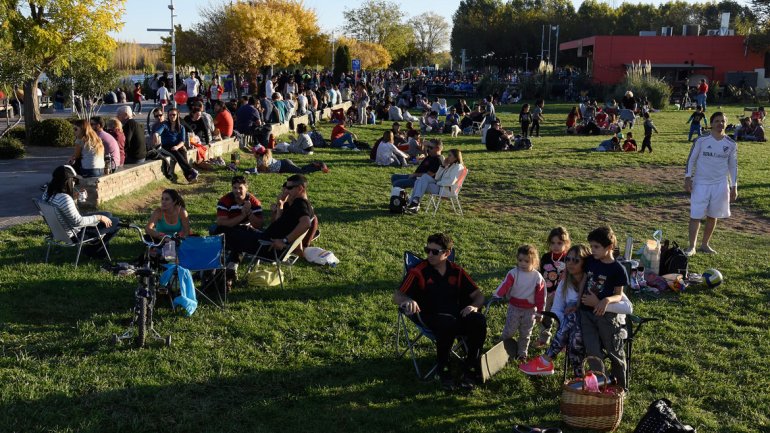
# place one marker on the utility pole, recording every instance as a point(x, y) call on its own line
point(173, 48)
point(550, 30)
point(332, 50)
point(526, 61)
point(542, 41)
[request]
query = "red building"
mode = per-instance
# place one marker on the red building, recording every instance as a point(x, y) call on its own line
point(672, 57)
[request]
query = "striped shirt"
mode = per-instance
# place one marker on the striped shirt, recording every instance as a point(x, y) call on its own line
point(228, 206)
point(68, 213)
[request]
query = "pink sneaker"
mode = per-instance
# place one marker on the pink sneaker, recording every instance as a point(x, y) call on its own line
point(537, 366)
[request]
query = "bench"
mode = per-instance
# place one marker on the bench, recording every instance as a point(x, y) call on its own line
point(133, 177)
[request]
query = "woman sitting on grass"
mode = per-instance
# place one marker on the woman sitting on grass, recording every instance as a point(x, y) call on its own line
point(171, 218)
point(388, 154)
point(267, 164)
point(573, 118)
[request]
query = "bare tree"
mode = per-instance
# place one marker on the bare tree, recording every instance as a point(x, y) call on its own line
point(431, 33)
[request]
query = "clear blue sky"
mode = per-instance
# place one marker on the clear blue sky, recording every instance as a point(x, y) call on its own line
point(143, 14)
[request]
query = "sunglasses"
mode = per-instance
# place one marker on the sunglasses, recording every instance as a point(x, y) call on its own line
point(289, 187)
point(158, 116)
point(433, 251)
point(572, 260)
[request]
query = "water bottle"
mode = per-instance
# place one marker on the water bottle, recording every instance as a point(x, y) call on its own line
point(169, 251)
point(82, 195)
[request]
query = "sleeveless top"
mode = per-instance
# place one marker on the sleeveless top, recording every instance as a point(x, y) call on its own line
point(166, 228)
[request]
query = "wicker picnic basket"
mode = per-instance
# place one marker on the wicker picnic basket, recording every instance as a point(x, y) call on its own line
point(601, 411)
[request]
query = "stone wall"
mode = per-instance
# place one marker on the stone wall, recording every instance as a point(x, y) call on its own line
point(132, 177)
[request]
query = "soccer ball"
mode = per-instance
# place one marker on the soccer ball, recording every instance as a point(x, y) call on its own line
point(712, 278)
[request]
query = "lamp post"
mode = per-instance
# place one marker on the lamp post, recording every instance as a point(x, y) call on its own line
point(556, 54)
point(173, 47)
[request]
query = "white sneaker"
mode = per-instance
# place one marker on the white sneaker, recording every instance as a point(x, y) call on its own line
point(689, 252)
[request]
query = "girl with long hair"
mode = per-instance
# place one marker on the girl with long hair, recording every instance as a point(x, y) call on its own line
point(89, 150)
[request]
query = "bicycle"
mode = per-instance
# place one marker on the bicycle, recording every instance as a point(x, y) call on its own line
point(146, 293)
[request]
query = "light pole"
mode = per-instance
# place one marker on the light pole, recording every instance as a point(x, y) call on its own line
point(173, 48)
point(526, 61)
point(556, 54)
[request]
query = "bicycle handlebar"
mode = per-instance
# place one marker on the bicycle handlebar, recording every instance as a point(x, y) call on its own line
point(142, 238)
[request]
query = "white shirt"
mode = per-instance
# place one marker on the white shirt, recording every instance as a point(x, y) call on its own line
point(163, 93)
point(711, 161)
point(192, 87)
point(386, 153)
point(269, 88)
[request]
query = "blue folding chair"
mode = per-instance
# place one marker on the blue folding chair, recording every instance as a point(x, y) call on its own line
point(202, 255)
point(420, 330)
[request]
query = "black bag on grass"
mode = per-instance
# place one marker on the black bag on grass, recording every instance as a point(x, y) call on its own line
point(398, 200)
point(660, 418)
point(673, 260)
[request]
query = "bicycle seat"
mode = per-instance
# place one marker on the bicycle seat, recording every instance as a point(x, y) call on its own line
point(144, 272)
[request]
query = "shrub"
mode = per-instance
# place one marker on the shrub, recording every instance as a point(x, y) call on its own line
point(17, 132)
point(644, 85)
point(52, 132)
point(11, 148)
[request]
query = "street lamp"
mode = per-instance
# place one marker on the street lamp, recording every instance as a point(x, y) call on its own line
point(556, 54)
point(173, 47)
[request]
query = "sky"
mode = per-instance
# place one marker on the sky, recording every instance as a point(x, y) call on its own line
point(143, 14)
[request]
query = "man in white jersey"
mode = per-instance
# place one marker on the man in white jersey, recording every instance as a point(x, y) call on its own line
point(711, 178)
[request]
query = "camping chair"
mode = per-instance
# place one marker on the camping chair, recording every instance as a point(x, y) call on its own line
point(59, 232)
point(633, 325)
point(628, 117)
point(419, 330)
point(448, 192)
point(479, 126)
point(203, 254)
point(287, 258)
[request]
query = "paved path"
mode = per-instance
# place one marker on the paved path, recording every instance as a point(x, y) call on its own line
point(20, 179)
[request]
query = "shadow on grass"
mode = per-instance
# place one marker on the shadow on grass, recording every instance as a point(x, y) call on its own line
point(373, 394)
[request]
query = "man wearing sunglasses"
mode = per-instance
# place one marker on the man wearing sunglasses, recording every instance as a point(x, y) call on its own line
point(291, 214)
point(429, 165)
point(441, 295)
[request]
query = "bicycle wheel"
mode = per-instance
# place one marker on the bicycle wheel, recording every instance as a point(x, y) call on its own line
point(141, 325)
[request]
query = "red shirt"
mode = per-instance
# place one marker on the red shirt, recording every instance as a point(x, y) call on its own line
point(224, 123)
point(137, 95)
point(703, 88)
point(338, 131)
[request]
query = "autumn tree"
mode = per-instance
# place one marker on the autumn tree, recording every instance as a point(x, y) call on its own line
point(431, 34)
point(371, 55)
point(46, 35)
point(380, 22)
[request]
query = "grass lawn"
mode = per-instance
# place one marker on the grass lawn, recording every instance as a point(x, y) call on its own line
point(319, 356)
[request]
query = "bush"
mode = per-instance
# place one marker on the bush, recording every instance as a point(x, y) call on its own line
point(11, 148)
point(52, 132)
point(657, 91)
point(17, 132)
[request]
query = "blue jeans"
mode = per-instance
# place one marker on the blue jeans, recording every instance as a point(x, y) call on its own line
point(700, 99)
point(694, 129)
point(402, 180)
point(346, 140)
point(92, 172)
point(95, 250)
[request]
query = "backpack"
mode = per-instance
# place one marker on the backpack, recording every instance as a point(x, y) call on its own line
point(660, 418)
point(398, 200)
point(318, 139)
point(673, 260)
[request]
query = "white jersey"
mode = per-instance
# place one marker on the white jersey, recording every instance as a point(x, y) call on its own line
point(711, 161)
point(192, 87)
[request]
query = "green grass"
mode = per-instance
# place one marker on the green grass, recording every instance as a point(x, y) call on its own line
point(318, 355)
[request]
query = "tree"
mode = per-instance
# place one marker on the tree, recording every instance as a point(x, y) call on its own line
point(430, 31)
point(371, 55)
point(47, 35)
point(379, 21)
point(91, 83)
point(342, 61)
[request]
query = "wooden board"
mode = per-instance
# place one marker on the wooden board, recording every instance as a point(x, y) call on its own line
point(497, 358)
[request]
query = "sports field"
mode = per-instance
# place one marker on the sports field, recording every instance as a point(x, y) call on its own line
point(319, 354)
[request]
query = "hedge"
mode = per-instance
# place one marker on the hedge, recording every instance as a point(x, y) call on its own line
point(52, 132)
point(11, 148)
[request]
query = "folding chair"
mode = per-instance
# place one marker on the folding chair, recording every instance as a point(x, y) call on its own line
point(420, 330)
point(448, 192)
point(278, 258)
point(478, 126)
point(633, 326)
point(203, 254)
point(60, 232)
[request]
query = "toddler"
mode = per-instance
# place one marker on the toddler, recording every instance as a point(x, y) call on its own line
point(525, 119)
point(524, 288)
point(648, 128)
point(552, 268)
point(695, 120)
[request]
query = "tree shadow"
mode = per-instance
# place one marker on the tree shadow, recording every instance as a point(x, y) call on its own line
point(372, 394)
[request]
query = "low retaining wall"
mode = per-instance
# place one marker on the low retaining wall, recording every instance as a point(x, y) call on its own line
point(133, 177)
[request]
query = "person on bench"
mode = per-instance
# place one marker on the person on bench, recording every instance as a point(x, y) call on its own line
point(449, 304)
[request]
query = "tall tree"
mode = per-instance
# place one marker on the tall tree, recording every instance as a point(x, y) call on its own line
point(342, 61)
point(381, 22)
point(431, 33)
point(371, 55)
point(46, 35)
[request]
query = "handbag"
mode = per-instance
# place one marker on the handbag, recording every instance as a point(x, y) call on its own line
point(660, 418)
point(585, 409)
point(265, 277)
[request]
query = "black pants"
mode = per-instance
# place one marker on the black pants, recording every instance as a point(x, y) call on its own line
point(646, 143)
point(446, 327)
point(525, 129)
point(535, 129)
point(288, 166)
point(239, 239)
point(180, 156)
